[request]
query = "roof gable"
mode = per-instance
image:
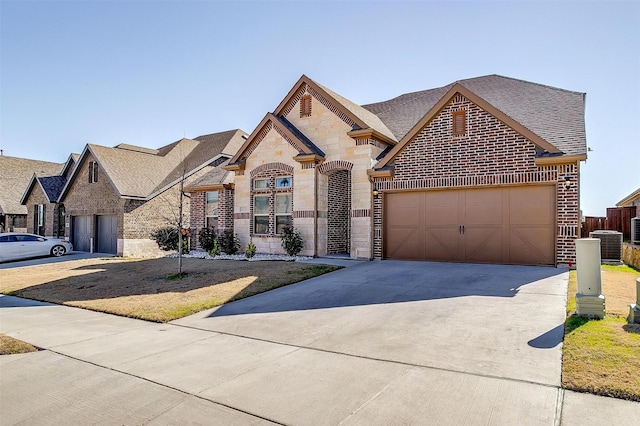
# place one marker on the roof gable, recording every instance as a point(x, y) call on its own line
point(629, 199)
point(553, 114)
point(16, 176)
point(351, 113)
point(435, 109)
point(142, 173)
point(51, 187)
point(293, 136)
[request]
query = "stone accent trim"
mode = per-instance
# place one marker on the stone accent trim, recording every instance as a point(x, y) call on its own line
point(243, 215)
point(293, 143)
point(266, 129)
point(333, 166)
point(294, 99)
point(303, 214)
point(361, 213)
point(371, 141)
point(272, 166)
point(330, 106)
point(469, 181)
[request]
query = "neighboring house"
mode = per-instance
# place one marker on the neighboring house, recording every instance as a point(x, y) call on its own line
point(45, 216)
point(15, 174)
point(116, 197)
point(211, 201)
point(631, 200)
point(481, 170)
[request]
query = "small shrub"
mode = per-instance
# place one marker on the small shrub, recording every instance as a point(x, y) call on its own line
point(292, 241)
point(229, 242)
point(207, 238)
point(215, 250)
point(166, 238)
point(250, 251)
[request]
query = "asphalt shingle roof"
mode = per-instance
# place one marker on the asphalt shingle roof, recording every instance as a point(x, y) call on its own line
point(141, 173)
point(15, 174)
point(554, 114)
point(52, 186)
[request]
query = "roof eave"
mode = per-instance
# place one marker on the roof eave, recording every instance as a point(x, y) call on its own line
point(560, 159)
point(371, 133)
point(629, 198)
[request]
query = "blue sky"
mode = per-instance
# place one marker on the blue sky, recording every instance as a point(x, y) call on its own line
point(150, 72)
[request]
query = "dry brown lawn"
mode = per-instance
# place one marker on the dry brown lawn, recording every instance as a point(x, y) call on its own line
point(148, 289)
point(603, 356)
point(10, 346)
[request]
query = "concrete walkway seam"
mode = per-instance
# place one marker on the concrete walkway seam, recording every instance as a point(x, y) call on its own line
point(408, 364)
point(165, 386)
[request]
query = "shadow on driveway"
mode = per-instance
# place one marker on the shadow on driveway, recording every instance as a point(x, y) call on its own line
point(381, 282)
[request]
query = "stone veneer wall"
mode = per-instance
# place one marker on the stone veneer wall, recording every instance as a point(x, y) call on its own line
point(489, 154)
point(631, 255)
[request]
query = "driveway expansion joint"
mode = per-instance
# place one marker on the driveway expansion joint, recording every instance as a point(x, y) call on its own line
point(408, 364)
point(166, 387)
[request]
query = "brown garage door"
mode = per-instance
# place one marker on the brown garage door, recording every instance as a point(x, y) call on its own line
point(511, 225)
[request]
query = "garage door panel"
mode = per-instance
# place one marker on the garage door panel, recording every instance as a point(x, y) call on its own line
point(405, 214)
point(442, 243)
point(81, 229)
point(483, 245)
point(107, 234)
point(441, 208)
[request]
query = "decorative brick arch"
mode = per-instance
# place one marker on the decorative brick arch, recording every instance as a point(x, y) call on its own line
point(272, 166)
point(334, 166)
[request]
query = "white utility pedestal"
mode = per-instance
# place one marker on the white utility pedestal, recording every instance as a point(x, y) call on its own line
point(589, 298)
point(634, 309)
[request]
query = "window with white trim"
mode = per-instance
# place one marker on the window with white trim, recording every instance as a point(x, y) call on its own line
point(211, 210)
point(272, 203)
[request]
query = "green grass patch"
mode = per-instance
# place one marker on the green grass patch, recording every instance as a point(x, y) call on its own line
point(603, 356)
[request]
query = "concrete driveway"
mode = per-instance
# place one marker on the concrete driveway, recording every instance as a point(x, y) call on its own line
point(500, 321)
point(376, 343)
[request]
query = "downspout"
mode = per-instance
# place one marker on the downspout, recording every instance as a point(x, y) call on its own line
point(315, 209)
point(371, 244)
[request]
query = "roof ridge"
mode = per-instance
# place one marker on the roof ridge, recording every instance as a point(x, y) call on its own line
point(408, 99)
point(522, 81)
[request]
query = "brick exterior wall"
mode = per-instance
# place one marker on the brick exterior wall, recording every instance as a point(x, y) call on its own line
point(488, 154)
point(225, 209)
point(338, 217)
point(198, 219)
point(136, 219)
point(199, 210)
point(91, 199)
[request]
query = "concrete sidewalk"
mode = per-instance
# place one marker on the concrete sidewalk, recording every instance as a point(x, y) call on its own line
point(99, 368)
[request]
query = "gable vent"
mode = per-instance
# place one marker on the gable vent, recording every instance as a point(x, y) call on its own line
point(305, 106)
point(459, 122)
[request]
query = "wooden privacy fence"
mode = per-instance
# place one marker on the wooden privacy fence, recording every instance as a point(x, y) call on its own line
point(592, 223)
point(618, 219)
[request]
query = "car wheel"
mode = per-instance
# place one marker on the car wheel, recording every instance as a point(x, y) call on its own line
point(58, 251)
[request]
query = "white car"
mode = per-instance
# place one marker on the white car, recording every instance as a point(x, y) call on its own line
point(17, 245)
